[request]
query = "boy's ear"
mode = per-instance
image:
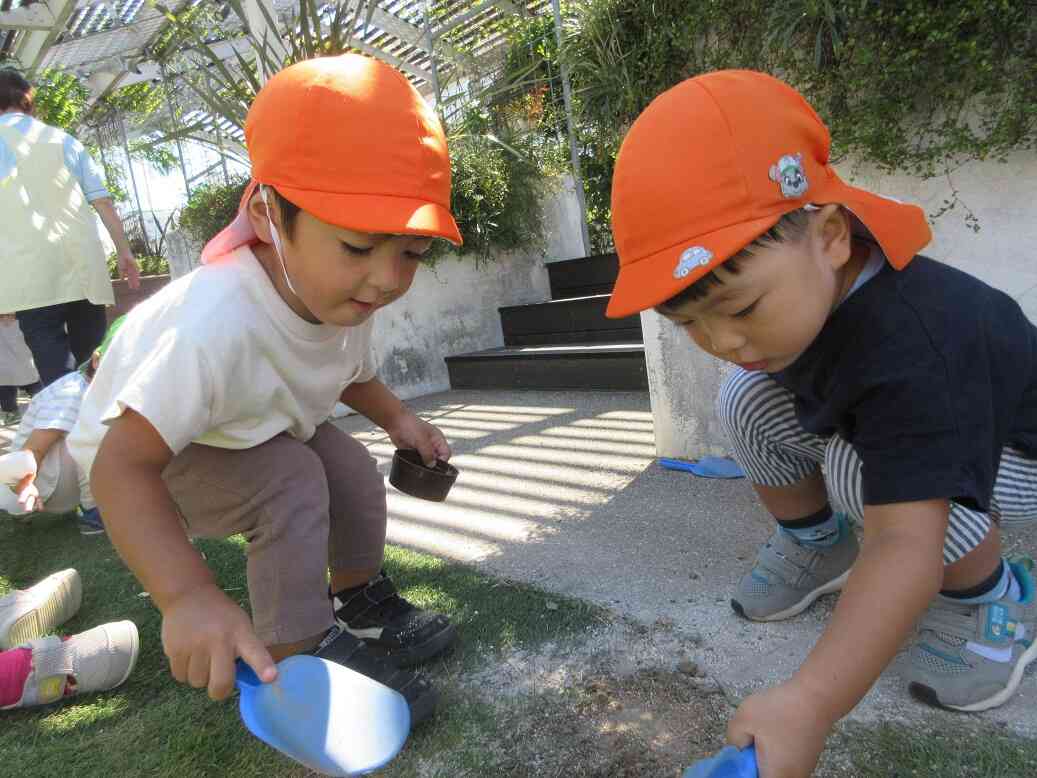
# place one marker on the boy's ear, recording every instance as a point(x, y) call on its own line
point(834, 236)
point(257, 214)
point(95, 360)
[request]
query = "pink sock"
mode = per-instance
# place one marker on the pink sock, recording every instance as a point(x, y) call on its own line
point(15, 666)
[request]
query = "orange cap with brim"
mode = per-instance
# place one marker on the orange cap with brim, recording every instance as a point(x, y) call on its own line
point(349, 140)
point(715, 162)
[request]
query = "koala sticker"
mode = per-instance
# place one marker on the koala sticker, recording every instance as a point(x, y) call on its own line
point(690, 258)
point(788, 173)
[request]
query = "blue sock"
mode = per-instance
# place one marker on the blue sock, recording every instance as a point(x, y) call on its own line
point(1015, 591)
point(819, 530)
point(1001, 584)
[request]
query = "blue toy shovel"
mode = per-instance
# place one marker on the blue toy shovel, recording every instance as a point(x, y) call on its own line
point(729, 762)
point(706, 467)
point(326, 716)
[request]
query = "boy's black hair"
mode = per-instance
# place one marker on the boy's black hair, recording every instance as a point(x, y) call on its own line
point(289, 213)
point(15, 91)
point(791, 226)
point(700, 288)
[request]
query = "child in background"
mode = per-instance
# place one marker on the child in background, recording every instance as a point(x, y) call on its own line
point(912, 383)
point(208, 416)
point(57, 485)
point(37, 668)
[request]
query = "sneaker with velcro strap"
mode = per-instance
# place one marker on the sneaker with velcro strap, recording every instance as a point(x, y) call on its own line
point(789, 576)
point(392, 627)
point(971, 657)
point(97, 660)
point(342, 648)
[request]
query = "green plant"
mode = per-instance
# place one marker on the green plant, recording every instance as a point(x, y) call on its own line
point(210, 208)
point(497, 190)
point(61, 98)
point(921, 86)
point(114, 179)
point(526, 90)
point(497, 169)
point(150, 265)
point(227, 90)
point(910, 85)
point(137, 100)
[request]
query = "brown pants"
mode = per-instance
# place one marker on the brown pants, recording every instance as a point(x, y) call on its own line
point(302, 507)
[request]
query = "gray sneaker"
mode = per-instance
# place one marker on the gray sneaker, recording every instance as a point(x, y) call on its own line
point(788, 577)
point(972, 657)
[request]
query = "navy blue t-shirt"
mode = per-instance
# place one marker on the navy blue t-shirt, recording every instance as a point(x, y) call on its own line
point(929, 373)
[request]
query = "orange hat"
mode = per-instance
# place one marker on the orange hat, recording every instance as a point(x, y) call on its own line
point(715, 162)
point(349, 140)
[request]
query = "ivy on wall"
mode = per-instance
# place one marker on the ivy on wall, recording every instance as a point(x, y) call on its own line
point(913, 86)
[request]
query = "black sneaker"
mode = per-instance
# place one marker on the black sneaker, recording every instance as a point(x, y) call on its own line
point(340, 647)
point(90, 522)
point(391, 626)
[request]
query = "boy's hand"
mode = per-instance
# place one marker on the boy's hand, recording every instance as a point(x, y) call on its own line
point(788, 727)
point(203, 632)
point(408, 431)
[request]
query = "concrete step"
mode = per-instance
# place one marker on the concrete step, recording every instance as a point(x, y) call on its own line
point(582, 277)
point(592, 366)
point(572, 320)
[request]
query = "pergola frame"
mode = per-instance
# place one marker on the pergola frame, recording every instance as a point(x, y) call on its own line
point(108, 43)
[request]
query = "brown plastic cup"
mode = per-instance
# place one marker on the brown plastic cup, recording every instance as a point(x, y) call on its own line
point(410, 476)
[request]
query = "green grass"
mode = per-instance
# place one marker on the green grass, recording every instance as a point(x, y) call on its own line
point(153, 726)
point(156, 727)
point(895, 751)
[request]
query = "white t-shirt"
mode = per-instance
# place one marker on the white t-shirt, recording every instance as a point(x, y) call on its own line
point(217, 357)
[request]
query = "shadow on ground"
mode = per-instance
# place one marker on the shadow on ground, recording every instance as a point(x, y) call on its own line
point(561, 489)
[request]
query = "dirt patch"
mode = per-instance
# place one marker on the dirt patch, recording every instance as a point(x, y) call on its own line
point(612, 705)
point(628, 701)
point(650, 724)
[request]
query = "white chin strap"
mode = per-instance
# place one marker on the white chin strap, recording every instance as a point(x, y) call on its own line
point(277, 240)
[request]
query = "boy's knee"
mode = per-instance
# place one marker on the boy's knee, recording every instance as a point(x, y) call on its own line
point(736, 393)
point(294, 489)
point(358, 458)
point(843, 477)
point(293, 509)
point(300, 471)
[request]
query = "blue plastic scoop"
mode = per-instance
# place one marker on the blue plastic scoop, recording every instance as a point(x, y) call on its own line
point(326, 716)
point(726, 763)
point(706, 467)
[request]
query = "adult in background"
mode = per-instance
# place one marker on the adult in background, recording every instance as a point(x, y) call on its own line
point(53, 273)
point(16, 370)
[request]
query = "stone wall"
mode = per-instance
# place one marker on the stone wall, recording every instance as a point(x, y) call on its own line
point(450, 309)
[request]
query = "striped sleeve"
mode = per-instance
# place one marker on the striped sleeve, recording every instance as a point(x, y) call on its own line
point(57, 406)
